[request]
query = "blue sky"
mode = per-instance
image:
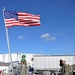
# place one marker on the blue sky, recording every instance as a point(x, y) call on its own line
point(55, 35)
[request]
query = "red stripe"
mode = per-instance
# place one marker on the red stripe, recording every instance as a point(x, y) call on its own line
point(26, 14)
point(20, 21)
point(22, 25)
point(36, 18)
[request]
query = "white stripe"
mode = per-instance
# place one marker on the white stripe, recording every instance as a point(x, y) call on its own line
point(28, 17)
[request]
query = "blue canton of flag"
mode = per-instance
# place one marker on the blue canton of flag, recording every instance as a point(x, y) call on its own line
point(11, 14)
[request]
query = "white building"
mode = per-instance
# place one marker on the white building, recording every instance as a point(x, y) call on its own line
point(51, 62)
point(15, 57)
point(5, 59)
point(41, 62)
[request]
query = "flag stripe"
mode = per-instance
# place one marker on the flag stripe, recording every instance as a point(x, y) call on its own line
point(21, 19)
point(24, 17)
point(21, 23)
point(24, 14)
point(11, 25)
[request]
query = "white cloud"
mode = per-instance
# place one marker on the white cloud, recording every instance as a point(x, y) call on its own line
point(21, 37)
point(50, 39)
point(46, 35)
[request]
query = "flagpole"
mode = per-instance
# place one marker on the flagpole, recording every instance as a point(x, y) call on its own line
point(8, 43)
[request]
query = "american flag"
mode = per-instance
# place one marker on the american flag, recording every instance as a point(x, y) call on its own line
point(13, 18)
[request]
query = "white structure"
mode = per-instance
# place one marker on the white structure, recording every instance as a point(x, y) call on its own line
point(4, 58)
point(15, 57)
point(47, 62)
point(41, 62)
